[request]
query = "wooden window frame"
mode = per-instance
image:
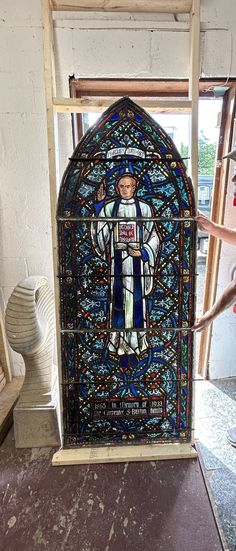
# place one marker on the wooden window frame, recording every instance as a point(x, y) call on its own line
point(146, 88)
point(94, 89)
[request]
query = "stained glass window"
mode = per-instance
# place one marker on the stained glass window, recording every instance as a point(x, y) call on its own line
point(126, 240)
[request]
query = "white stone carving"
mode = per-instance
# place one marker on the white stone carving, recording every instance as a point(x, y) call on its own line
point(30, 329)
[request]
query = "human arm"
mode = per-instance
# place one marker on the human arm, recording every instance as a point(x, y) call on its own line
point(217, 230)
point(224, 301)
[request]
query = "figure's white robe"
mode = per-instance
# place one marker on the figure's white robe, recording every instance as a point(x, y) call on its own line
point(103, 233)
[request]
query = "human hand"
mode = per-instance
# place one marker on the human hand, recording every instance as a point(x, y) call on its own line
point(202, 323)
point(203, 222)
point(101, 192)
point(133, 252)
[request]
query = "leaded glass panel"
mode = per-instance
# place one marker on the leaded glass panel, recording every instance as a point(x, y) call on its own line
point(126, 239)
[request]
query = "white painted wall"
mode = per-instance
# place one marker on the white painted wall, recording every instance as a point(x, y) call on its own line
point(145, 48)
point(25, 242)
point(89, 45)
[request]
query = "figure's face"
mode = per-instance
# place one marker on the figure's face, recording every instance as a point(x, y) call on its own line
point(126, 187)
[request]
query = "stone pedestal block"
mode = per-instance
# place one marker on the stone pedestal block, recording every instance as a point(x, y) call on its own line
point(35, 427)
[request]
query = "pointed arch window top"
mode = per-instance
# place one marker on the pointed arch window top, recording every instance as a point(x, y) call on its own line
point(126, 139)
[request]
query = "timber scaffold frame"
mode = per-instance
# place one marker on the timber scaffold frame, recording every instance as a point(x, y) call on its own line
point(56, 105)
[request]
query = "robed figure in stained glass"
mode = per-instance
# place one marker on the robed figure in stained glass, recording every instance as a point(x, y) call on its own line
point(126, 237)
point(130, 245)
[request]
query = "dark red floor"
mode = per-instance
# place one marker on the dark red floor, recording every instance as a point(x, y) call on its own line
point(151, 506)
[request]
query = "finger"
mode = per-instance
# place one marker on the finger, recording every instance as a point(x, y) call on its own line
point(197, 323)
point(202, 327)
point(197, 326)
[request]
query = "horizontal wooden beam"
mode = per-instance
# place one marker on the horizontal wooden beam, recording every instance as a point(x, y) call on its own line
point(141, 87)
point(89, 105)
point(154, 6)
point(121, 454)
point(128, 87)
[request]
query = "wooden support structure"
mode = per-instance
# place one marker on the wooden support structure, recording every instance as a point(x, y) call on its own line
point(217, 215)
point(85, 104)
point(50, 91)
point(119, 454)
point(194, 91)
point(161, 6)
point(194, 69)
point(144, 88)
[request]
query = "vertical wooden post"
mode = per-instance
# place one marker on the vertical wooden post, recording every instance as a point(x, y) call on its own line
point(217, 215)
point(49, 80)
point(194, 69)
point(194, 91)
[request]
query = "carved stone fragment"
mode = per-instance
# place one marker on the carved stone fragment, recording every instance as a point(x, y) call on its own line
point(30, 330)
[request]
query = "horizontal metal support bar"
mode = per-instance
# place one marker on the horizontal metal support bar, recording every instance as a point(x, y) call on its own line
point(121, 219)
point(97, 276)
point(113, 379)
point(111, 384)
point(133, 158)
point(87, 105)
point(147, 330)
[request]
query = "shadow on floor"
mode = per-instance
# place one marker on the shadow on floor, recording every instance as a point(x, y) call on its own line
point(215, 413)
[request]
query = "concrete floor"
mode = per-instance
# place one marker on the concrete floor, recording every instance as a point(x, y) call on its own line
point(215, 413)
